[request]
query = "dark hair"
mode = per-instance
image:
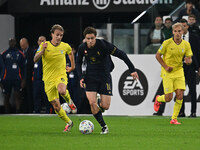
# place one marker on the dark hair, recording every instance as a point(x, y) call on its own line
point(89, 30)
point(158, 17)
point(170, 19)
point(183, 21)
point(192, 16)
point(56, 27)
point(189, 1)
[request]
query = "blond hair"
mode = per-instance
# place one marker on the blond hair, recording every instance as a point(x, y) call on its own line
point(177, 25)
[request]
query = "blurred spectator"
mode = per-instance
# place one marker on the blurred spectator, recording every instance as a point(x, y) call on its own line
point(189, 10)
point(28, 89)
point(190, 70)
point(2, 69)
point(193, 28)
point(73, 81)
point(155, 37)
point(167, 29)
point(14, 74)
point(39, 95)
point(197, 4)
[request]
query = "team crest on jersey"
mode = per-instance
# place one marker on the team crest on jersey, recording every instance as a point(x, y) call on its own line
point(62, 79)
point(161, 47)
point(61, 51)
point(98, 53)
point(182, 50)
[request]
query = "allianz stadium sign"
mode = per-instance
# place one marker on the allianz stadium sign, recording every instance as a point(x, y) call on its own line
point(46, 6)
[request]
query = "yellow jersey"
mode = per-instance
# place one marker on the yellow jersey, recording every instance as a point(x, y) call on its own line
point(173, 55)
point(54, 60)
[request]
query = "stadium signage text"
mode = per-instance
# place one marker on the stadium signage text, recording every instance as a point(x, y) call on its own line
point(79, 6)
point(101, 4)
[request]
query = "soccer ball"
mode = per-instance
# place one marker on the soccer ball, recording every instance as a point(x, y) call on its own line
point(66, 108)
point(86, 127)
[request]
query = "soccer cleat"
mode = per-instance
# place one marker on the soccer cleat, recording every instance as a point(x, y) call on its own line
point(157, 104)
point(68, 127)
point(104, 130)
point(73, 107)
point(98, 103)
point(174, 122)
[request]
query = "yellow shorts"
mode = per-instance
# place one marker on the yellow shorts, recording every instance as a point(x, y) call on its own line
point(172, 84)
point(51, 88)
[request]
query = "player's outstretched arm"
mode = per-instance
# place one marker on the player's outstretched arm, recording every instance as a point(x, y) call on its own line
point(38, 56)
point(160, 60)
point(71, 58)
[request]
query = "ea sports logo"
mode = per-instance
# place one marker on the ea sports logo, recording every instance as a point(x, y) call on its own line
point(133, 92)
point(101, 4)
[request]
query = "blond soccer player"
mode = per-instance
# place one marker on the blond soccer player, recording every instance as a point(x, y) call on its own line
point(171, 55)
point(53, 54)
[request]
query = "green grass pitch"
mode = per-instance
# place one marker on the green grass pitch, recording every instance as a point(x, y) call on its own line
point(126, 133)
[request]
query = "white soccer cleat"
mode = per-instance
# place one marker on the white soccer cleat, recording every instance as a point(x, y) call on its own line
point(104, 130)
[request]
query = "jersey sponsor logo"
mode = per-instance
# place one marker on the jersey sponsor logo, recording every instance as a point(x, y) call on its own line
point(133, 92)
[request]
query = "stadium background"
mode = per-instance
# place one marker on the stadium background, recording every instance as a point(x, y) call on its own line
point(31, 19)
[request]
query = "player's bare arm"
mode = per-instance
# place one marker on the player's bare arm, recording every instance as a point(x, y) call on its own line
point(188, 60)
point(71, 58)
point(38, 56)
point(160, 60)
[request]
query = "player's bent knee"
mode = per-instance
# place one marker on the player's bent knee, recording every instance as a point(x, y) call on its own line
point(106, 107)
point(62, 92)
point(168, 98)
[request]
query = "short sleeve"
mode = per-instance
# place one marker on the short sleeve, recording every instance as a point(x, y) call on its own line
point(68, 49)
point(162, 48)
point(188, 51)
point(39, 48)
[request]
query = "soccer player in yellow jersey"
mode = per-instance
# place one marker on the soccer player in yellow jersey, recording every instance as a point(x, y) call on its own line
point(54, 71)
point(170, 55)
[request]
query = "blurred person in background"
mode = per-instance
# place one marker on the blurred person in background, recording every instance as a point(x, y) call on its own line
point(190, 70)
point(27, 93)
point(167, 29)
point(73, 81)
point(193, 27)
point(14, 75)
point(155, 37)
point(189, 10)
point(39, 95)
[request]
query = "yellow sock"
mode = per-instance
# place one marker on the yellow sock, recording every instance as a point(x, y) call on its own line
point(177, 108)
point(67, 97)
point(63, 116)
point(161, 98)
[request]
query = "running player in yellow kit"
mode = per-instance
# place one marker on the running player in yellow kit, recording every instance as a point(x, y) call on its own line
point(170, 55)
point(54, 71)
